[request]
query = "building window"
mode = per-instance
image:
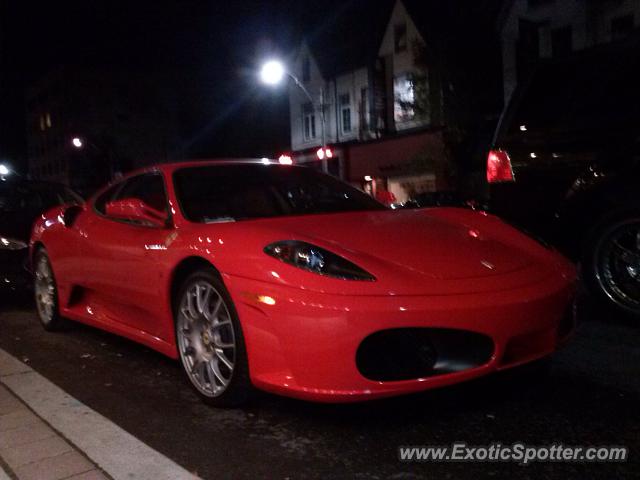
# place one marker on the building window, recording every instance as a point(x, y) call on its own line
point(364, 109)
point(306, 69)
point(621, 27)
point(308, 121)
point(345, 112)
point(561, 42)
point(404, 98)
point(400, 38)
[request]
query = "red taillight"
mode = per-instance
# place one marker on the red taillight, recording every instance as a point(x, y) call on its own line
point(499, 167)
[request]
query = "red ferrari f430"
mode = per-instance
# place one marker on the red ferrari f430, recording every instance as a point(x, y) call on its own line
point(284, 279)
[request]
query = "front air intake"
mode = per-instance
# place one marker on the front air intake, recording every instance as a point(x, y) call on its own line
point(410, 353)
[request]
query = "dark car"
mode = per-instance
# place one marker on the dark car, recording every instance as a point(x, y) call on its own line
point(21, 202)
point(443, 198)
point(565, 165)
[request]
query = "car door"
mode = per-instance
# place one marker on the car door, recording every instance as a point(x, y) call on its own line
point(125, 256)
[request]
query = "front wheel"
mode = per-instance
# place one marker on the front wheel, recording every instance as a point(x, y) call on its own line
point(46, 293)
point(612, 262)
point(210, 341)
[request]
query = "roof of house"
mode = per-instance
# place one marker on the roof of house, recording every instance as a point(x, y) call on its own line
point(454, 24)
point(350, 37)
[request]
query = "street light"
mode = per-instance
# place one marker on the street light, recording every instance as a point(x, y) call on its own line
point(4, 170)
point(274, 71)
point(77, 142)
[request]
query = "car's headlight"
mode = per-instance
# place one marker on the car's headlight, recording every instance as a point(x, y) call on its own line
point(315, 259)
point(11, 244)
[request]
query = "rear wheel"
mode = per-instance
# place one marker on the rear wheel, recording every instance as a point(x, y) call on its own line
point(46, 292)
point(210, 341)
point(612, 262)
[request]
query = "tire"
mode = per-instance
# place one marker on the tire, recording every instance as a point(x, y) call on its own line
point(611, 265)
point(45, 291)
point(210, 341)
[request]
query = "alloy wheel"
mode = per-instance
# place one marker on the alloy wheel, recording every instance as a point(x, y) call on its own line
point(45, 290)
point(618, 265)
point(206, 339)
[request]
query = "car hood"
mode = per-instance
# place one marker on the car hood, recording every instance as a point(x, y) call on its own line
point(416, 242)
point(436, 251)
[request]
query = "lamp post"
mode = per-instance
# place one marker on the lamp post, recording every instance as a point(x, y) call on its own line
point(274, 71)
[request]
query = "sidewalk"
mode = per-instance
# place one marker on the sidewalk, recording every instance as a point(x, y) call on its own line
point(31, 449)
point(45, 434)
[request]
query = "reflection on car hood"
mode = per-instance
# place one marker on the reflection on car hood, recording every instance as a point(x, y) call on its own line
point(415, 241)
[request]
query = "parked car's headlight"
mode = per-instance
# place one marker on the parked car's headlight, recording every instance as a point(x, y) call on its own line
point(11, 244)
point(315, 259)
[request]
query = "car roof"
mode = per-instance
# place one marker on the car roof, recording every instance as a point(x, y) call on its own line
point(168, 168)
point(172, 166)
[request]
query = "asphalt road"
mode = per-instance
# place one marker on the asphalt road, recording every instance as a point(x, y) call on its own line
point(591, 396)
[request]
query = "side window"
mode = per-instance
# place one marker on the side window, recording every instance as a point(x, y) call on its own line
point(148, 188)
point(101, 202)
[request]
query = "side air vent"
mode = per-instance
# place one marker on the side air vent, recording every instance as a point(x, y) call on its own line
point(71, 214)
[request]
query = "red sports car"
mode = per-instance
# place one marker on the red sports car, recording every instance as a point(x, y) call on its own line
point(287, 280)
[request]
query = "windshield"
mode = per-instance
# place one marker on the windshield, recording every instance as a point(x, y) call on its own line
point(236, 192)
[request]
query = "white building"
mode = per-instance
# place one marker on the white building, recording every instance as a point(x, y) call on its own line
point(365, 83)
point(532, 29)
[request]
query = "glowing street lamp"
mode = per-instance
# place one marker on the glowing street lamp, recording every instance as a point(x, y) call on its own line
point(77, 142)
point(4, 170)
point(274, 71)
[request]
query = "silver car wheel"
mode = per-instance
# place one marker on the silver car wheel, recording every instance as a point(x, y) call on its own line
point(45, 290)
point(618, 265)
point(206, 339)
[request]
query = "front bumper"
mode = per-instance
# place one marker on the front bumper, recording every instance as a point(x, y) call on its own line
point(304, 344)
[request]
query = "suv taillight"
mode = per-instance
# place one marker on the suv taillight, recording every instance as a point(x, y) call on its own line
point(499, 167)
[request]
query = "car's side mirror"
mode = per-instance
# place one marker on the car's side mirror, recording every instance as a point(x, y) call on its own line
point(133, 209)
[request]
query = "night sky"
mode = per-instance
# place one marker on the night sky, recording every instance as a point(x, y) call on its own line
point(206, 52)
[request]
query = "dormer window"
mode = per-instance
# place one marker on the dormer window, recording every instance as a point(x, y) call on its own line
point(308, 121)
point(345, 112)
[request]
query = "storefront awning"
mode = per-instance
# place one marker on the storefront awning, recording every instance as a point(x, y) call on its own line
point(396, 156)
